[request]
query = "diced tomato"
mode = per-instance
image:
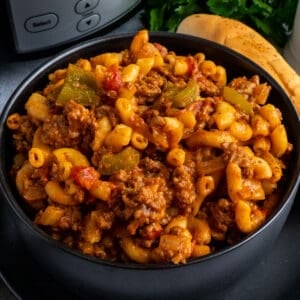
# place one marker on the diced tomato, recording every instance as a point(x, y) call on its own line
point(191, 64)
point(84, 176)
point(113, 79)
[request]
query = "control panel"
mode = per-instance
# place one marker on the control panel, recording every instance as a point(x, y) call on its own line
point(43, 24)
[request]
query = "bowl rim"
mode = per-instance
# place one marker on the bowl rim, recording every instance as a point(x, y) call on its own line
point(69, 54)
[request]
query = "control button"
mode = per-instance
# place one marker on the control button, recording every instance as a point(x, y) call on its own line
point(88, 22)
point(41, 22)
point(84, 6)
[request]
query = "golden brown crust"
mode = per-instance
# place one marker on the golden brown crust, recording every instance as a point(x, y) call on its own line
point(243, 39)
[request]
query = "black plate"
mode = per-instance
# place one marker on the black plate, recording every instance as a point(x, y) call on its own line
point(276, 276)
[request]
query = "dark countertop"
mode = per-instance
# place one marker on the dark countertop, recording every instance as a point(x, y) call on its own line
point(276, 276)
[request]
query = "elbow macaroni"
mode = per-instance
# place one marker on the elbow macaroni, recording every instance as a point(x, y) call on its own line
point(37, 107)
point(119, 137)
point(37, 157)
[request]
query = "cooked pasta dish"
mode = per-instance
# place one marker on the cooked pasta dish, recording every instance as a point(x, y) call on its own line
point(148, 156)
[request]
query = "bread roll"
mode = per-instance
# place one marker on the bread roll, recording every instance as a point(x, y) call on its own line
point(243, 39)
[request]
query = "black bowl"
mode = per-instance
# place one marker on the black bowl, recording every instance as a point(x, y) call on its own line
point(93, 277)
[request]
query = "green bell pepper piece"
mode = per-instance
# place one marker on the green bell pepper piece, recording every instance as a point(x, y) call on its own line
point(182, 97)
point(238, 100)
point(80, 86)
point(125, 160)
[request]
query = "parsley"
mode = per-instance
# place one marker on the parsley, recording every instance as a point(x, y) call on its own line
point(166, 15)
point(272, 18)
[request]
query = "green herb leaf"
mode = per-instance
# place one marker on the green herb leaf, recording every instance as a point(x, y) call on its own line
point(272, 18)
point(232, 8)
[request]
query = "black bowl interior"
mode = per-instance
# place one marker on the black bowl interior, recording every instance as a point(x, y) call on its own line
point(235, 64)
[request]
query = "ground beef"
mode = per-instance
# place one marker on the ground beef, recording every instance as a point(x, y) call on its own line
point(71, 129)
point(142, 195)
point(220, 214)
point(244, 85)
point(23, 137)
point(207, 86)
point(184, 187)
point(149, 87)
